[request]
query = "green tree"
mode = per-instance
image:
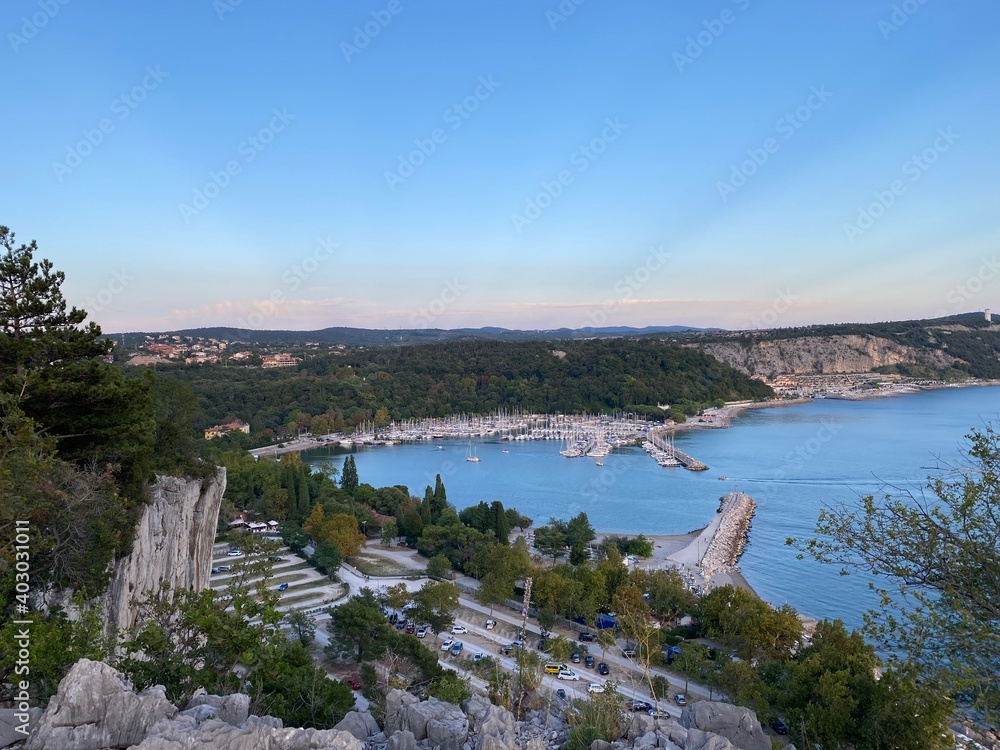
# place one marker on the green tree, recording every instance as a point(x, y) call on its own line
point(35, 326)
point(349, 476)
point(579, 534)
point(388, 531)
point(435, 603)
point(552, 539)
point(301, 625)
point(439, 567)
point(500, 527)
point(358, 626)
point(450, 687)
point(941, 558)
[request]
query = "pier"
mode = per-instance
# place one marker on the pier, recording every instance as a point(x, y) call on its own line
point(661, 448)
point(730, 539)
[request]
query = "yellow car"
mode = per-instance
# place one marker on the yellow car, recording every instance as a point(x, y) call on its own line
point(553, 668)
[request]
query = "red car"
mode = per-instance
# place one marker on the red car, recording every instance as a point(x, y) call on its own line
point(354, 683)
point(410, 627)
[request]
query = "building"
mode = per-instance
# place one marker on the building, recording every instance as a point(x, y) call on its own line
point(223, 429)
point(280, 360)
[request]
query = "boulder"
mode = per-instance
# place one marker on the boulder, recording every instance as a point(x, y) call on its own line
point(664, 743)
point(402, 740)
point(646, 742)
point(737, 724)
point(395, 702)
point(360, 724)
point(218, 735)
point(600, 745)
point(447, 734)
point(233, 709)
point(16, 725)
point(673, 731)
point(639, 725)
point(417, 715)
point(96, 708)
point(699, 740)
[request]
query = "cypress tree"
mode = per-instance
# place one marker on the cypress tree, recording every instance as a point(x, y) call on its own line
point(500, 526)
point(349, 476)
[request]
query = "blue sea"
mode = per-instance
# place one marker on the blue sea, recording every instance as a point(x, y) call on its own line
point(793, 460)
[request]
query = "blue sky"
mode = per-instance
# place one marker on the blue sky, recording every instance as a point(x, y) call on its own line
point(735, 163)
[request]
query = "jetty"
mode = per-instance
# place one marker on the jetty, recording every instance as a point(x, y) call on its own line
point(659, 444)
point(730, 539)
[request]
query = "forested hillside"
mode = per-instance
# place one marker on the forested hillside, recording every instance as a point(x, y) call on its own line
point(336, 392)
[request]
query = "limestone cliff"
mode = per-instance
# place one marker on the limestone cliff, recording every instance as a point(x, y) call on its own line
point(173, 544)
point(817, 355)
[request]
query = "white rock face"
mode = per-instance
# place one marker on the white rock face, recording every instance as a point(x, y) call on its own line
point(173, 544)
point(95, 708)
point(737, 724)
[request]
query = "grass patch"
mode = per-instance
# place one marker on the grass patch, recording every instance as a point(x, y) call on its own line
point(373, 565)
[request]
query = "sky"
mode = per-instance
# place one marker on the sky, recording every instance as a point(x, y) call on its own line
point(731, 163)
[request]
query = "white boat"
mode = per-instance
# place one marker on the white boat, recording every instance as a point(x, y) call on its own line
point(470, 455)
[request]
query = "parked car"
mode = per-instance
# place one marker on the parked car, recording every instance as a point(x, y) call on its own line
point(216, 570)
point(421, 632)
point(459, 630)
point(575, 658)
point(282, 587)
point(680, 700)
point(393, 618)
point(588, 661)
point(628, 653)
point(446, 646)
point(658, 713)
point(553, 668)
point(587, 637)
point(506, 649)
point(542, 644)
point(567, 674)
point(411, 628)
point(456, 650)
point(518, 643)
point(234, 552)
point(479, 656)
point(595, 687)
point(602, 669)
point(490, 624)
point(640, 706)
point(400, 623)
point(224, 568)
point(276, 558)
point(354, 683)
point(779, 727)
point(561, 693)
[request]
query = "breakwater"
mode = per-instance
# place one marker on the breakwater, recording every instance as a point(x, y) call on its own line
point(731, 536)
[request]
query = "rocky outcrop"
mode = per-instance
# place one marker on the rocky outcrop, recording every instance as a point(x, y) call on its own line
point(96, 708)
point(736, 724)
point(173, 544)
point(817, 355)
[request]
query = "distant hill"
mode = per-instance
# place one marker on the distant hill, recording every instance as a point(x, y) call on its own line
point(949, 348)
point(399, 336)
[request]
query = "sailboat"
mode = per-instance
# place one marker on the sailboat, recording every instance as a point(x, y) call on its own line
point(470, 455)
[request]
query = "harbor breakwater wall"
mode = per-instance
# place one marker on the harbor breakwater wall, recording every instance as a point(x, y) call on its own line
point(730, 538)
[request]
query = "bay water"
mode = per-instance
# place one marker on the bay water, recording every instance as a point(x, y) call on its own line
point(792, 460)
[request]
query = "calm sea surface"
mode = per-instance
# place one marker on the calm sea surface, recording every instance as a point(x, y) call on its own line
point(791, 460)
